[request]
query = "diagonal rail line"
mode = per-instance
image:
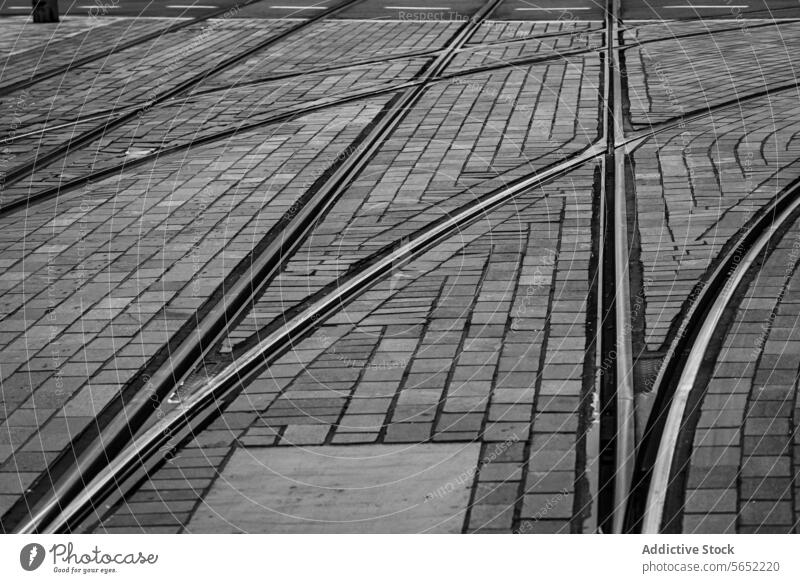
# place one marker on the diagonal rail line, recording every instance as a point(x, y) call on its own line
point(93, 460)
point(677, 376)
point(148, 450)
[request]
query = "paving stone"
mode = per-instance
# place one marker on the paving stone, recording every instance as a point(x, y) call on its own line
point(375, 488)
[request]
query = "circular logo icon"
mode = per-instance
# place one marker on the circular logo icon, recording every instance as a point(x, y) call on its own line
point(31, 556)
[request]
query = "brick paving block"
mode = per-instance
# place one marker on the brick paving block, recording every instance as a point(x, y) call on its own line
point(712, 477)
point(710, 500)
point(755, 466)
point(709, 523)
point(553, 481)
point(304, 434)
point(543, 527)
point(494, 493)
point(547, 506)
point(767, 512)
point(408, 433)
point(486, 518)
point(765, 488)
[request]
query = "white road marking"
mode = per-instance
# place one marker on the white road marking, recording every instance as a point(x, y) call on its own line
point(684, 6)
point(189, 6)
point(99, 8)
point(417, 8)
point(18, 8)
point(555, 9)
point(300, 7)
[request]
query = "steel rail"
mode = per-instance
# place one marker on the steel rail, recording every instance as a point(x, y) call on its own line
point(662, 468)
point(132, 464)
point(623, 352)
point(93, 460)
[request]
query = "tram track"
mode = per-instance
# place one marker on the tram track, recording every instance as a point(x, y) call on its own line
point(636, 481)
point(615, 385)
point(201, 405)
point(677, 378)
point(92, 462)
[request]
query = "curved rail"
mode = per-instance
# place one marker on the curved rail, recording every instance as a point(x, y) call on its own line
point(703, 320)
point(150, 448)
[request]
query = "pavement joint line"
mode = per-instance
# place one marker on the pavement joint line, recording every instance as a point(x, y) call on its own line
point(205, 401)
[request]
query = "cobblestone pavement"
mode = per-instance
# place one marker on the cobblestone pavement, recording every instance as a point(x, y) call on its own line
point(457, 393)
point(197, 118)
point(458, 144)
point(136, 74)
point(97, 282)
point(205, 112)
point(485, 341)
point(23, 44)
point(672, 77)
point(696, 187)
point(743, 473)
